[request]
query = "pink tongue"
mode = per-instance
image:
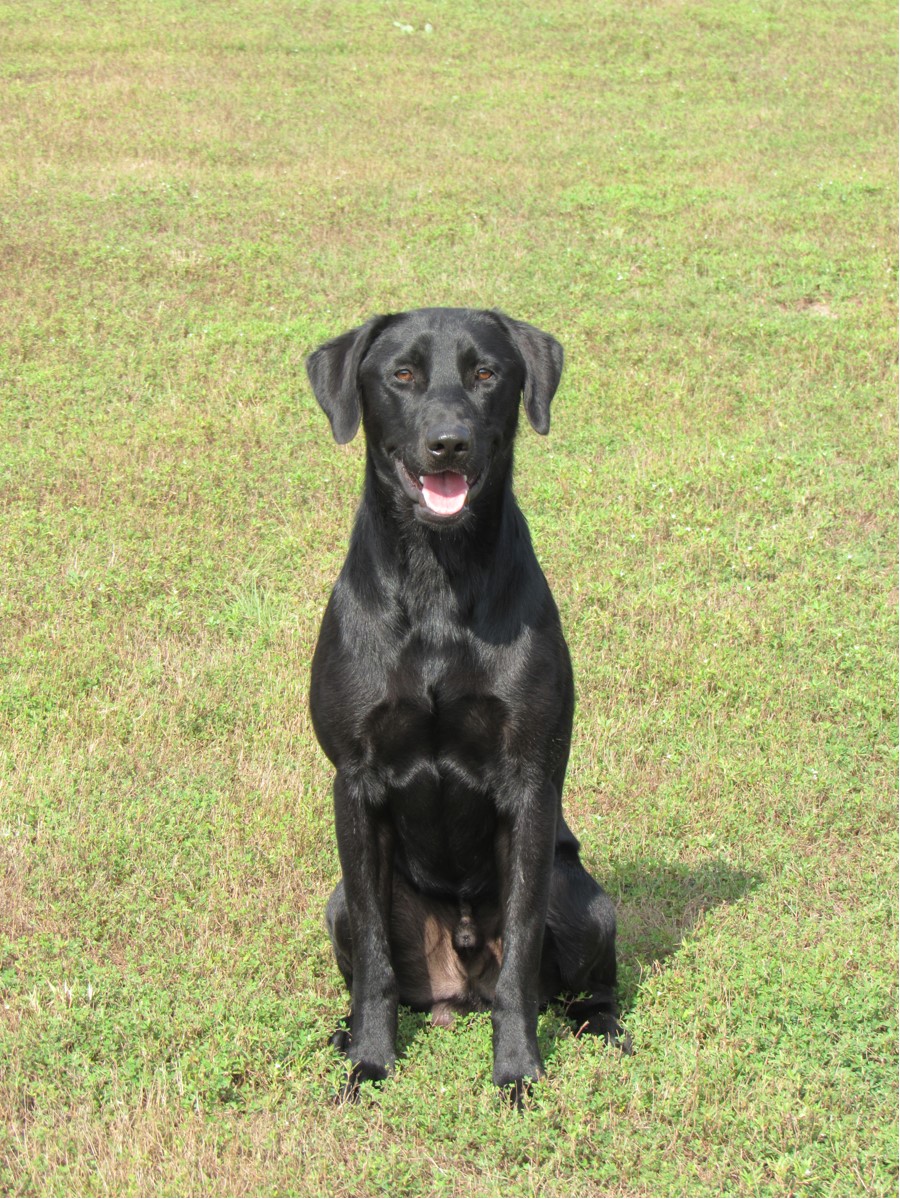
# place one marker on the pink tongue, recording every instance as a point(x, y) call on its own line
point(445, 493)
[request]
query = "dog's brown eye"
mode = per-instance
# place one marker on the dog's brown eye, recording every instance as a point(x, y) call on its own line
point(483, 374)
point(404, 375)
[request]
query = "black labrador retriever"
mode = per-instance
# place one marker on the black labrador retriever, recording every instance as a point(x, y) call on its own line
point(442, 693)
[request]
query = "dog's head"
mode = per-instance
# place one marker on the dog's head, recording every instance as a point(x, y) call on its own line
point(438, 391)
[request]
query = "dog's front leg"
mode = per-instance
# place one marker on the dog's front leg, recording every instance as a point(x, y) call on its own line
point(525, 854)
point(365, 847)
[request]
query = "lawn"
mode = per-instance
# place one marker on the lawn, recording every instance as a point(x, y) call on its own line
point(698, 198)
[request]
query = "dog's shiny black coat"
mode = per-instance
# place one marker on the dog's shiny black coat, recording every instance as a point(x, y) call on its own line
point(442, 693)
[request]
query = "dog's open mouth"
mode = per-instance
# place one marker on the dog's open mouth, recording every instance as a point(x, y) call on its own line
point(443, 494)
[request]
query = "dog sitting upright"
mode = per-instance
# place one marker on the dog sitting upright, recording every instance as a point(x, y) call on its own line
point(442, 693)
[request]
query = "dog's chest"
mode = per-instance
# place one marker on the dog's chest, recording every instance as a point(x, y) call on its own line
point(439, 717)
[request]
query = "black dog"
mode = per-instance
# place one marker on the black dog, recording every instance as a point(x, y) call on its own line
point(442, 692)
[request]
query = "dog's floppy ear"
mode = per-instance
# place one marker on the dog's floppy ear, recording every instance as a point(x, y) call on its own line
point(333, 371)
point(543, 358)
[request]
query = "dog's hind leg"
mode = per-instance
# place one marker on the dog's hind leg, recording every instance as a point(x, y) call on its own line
point(337, 921)
point(580, 948)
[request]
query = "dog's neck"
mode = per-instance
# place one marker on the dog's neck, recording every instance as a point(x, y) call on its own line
point(472, 573)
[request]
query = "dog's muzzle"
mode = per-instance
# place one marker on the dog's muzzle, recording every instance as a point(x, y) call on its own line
point(444, 494)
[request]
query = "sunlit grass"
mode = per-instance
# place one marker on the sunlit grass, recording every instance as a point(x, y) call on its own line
point(699, 200)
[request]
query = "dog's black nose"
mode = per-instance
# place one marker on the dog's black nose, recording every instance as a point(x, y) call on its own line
point(447, 442)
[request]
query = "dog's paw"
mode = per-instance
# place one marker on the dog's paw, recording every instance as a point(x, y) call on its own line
point(597, 1015)
point(515, 1077)
point(620, 1038)
point(340, 1038)
point(360, 1072)
point(348, 1093)
point(606, 1026)
point(517, 1091)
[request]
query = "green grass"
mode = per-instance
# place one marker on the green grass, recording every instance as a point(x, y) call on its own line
point(698, 198)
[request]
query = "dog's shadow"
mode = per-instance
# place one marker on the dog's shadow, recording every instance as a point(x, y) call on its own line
point(657, 906)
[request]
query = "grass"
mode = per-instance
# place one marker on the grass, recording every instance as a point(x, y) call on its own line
point(698, 198)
